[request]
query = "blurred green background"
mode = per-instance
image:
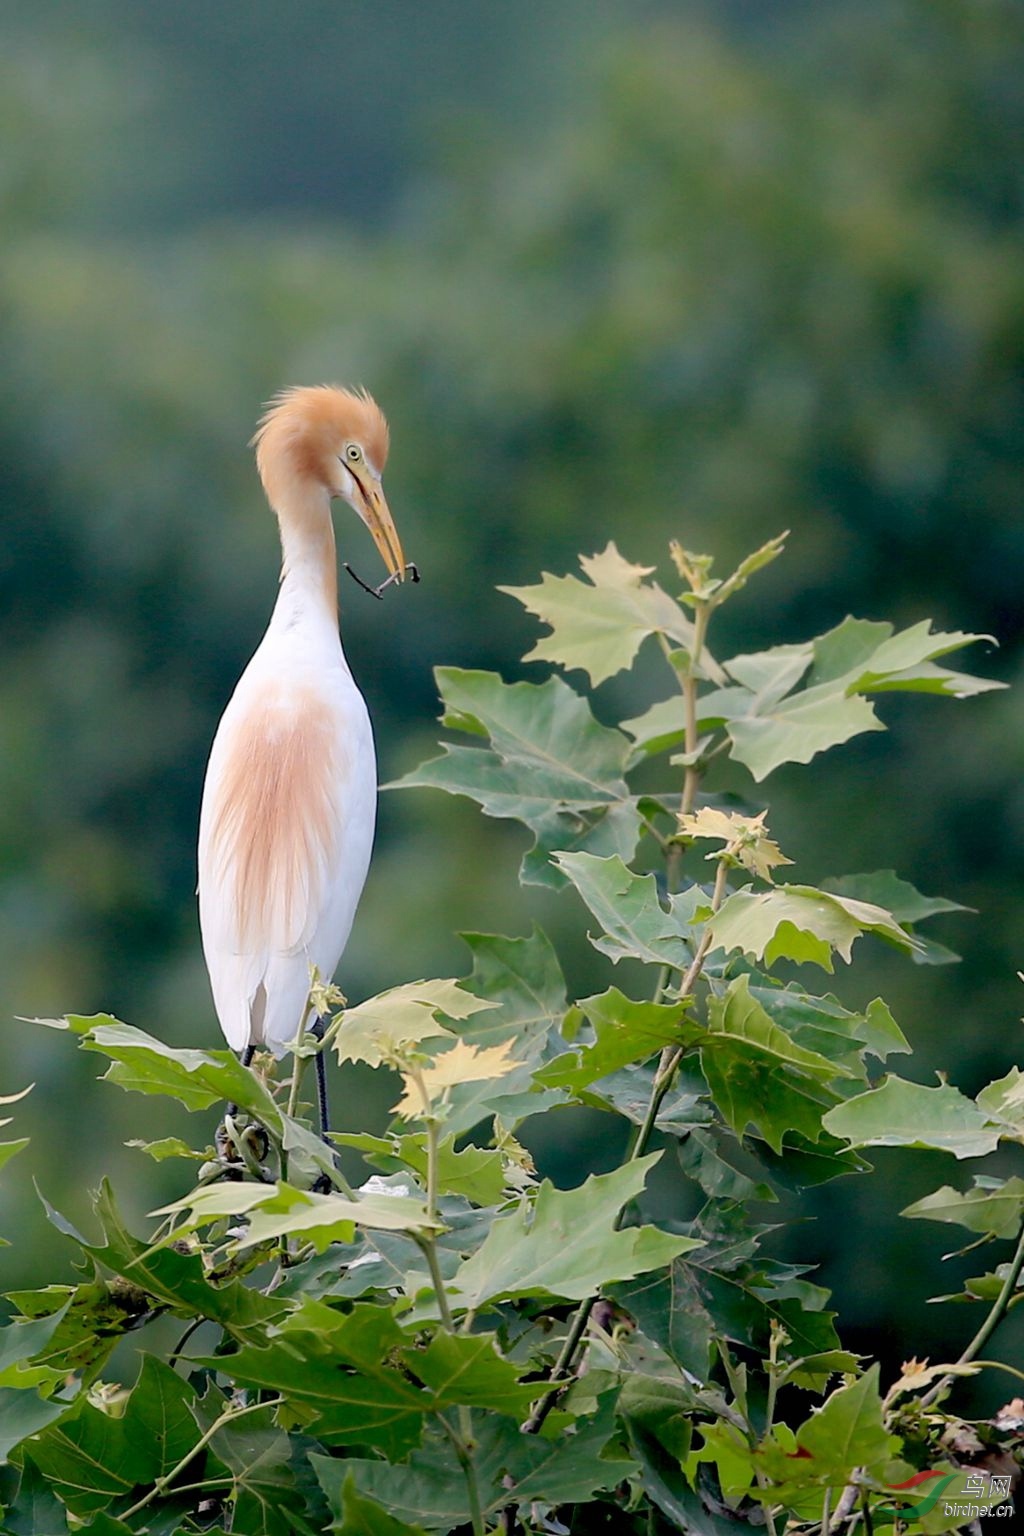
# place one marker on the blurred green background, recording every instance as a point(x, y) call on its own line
point(615, 269)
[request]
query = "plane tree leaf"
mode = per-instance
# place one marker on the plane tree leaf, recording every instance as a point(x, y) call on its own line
point(902, 1114)
point(758, 1075)
point(600, 624)
point(1003, 1101)
point(359, 1515)
point(623, 1032)
point(550, 765)
point(522, 980)
point(571, 1246)
point(856, 658)
point(798, 922)
point(511, 1467)
point(992, 1206)
point(635, 925)
point(847, 1431)
point(885, 889)
point(406, 1015)
point(197, 1079)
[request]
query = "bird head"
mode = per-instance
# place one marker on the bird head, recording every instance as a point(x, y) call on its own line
point(326, 438)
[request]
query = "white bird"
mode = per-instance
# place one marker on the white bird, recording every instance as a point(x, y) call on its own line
point(289, 803)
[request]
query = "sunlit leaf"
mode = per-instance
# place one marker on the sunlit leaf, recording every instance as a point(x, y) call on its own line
point(797, 922)
point(600, 625)
point(847, 1430)
point(405, 1015)
point(461, 1063)
point(745, 837)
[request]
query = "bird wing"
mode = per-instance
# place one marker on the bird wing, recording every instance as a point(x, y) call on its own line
point(270, 838)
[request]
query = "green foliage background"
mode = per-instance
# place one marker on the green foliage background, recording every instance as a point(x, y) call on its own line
point(631, 270)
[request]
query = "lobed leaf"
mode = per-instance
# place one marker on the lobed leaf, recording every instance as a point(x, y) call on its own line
point(998, 1209)
point(571, 1245)
point(550, 765)
point(402, 1016)
point(635, 925)
point(798, 922)
point(902, 1114)
point(600, 625)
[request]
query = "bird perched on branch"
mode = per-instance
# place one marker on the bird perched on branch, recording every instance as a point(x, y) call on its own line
point(289, 802)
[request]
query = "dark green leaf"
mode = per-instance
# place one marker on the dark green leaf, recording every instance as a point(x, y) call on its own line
point(362, 1516)
point(511, 1467)
point(624, 1032)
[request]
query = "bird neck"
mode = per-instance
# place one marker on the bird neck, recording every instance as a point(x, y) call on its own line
point(309, 564)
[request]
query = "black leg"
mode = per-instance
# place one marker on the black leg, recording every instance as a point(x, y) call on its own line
point(317, 1029)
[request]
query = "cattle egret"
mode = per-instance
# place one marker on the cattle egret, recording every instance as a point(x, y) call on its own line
point(289, 802)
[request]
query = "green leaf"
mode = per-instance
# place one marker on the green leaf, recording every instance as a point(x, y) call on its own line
point(160, 1414)
point(847, 1430)
point(198, 1079)
point(884, 888)
point(470, 1369)
point(555, 769)
point(856, 658)
point(902, 1114)
point(798, 728)
point(9, 1149)
point(24, 1413)
point(624, 1032)
point(474, 1172)
point(1003, 1101)
point(511, 1468)
point(36, 1510)
point(634, 924)
point(601, 626)
point(571, 1247)
point(362, 1516)
point(267, 1495)
point(402, 1016)
point(90, 1459)
point(177, 1280)
point(998, 1210)
point(757, 1075)
point(702, 1161)
point(523, 981)
point(273, 1210)
point(337, 1369)
point(798, 922)
point(167, 1146)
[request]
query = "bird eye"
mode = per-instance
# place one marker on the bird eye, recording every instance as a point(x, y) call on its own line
point(353, 453)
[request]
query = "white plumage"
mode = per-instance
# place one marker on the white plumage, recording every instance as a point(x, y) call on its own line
point(289, 802)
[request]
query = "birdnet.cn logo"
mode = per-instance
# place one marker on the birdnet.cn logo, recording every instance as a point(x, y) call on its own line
point(958, 1495)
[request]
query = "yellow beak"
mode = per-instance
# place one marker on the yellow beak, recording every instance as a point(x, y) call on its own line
point(376, 514)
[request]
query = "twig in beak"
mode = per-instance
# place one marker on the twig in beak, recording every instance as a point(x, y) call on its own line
point(378, 592)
